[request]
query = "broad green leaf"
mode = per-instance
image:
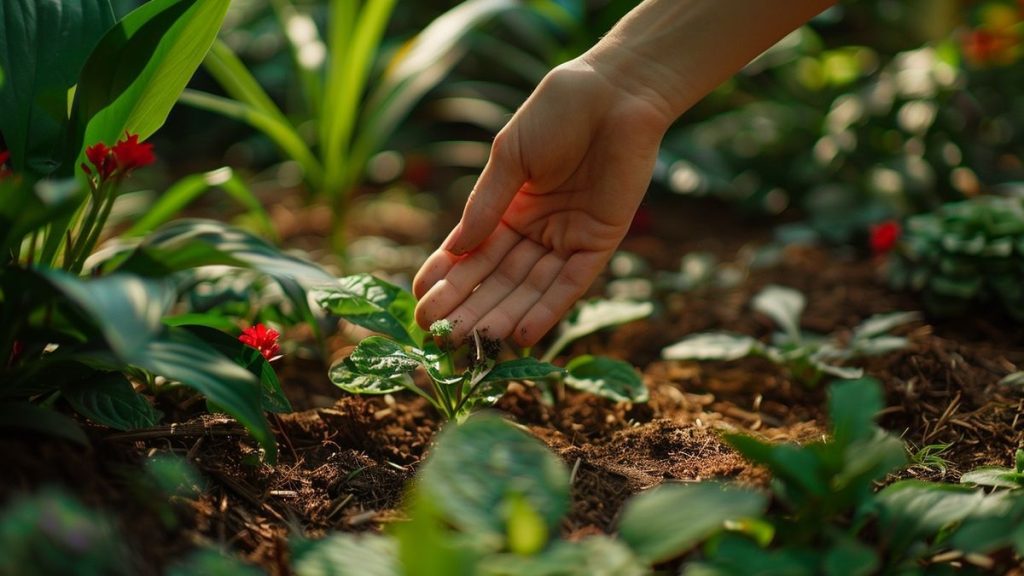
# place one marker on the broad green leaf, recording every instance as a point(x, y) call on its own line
point(664, 522)
point(852, 408)
point(995, 524)
point(784, 306)
point(134, 76)
point(190, 243)
point(613, 379)
point(478, 465)
point(849, 557)
point(345, 375)
point(912, 510)
point(526, 529)
point(522, 369)
point(273, 397)
point(712, 346)
point(379, 356)
point(428, 546)
point(212, 563)
point(346, 555)
point(28, 416)
point(994, 476)
point(800, 469)
point(736, 555)
point(43, 46)
point(593, 316)
point(373, 304)
point(592, 556)
point(126, 308)
point(109, 399)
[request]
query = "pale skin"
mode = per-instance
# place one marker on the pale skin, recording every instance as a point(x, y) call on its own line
point(569, 170)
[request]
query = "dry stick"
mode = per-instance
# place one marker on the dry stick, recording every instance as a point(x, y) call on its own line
point(243, 491)
point(287, 440)
point(183, 430)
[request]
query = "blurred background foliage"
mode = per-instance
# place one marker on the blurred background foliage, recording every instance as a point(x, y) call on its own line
point(877, 109)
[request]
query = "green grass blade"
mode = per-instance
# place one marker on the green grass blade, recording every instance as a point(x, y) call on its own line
point(307, 49)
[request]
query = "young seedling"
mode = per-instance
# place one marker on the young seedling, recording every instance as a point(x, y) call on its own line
point(807, 357)
point(386, 363)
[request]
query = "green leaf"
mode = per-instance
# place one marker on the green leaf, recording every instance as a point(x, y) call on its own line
point(880, 324)
point(848, 557)
point(380, 356)
point(373, 304)
point(428, 546)
point(525, 368)
point(110, 400)
point(273, 397)
point(784, 306)
point(800, 469)
point(712, 346)
point(28, 416)
point(43, 46)
point(27, 207)
point(477, 466)
point(527, 532)
point(910, 511)
point(346, 555)
point(607, 377)
point(852, 408)
point(592, 556)
point(190, 243)
point(664, 522)
point(213, 563)
point(345, 375)
point(994, 476)
point(134, 76)
point(593, 316)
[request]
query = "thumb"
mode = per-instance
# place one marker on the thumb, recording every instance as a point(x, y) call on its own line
point(498, 184)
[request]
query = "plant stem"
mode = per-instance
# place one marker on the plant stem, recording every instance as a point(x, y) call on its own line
point(93, 235)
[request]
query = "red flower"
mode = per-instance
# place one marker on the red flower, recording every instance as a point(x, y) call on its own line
point(883, 236)
point(126, 155)
point(263, 339)
point(131, 154)
point(4, 157)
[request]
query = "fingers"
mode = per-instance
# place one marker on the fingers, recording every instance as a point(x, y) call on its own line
point(445, 280)
point(501, 178)
point(570, 285)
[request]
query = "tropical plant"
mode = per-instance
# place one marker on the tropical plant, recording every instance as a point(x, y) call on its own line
point(385, 364)
point(807, 357)
point(964, 256)
point(997, 476)
point(354, 109)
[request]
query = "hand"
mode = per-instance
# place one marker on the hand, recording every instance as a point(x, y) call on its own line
point(557, 195)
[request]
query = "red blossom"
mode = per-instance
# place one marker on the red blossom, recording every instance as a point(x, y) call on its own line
point(130, 154)
point(4, 157)
point(126, 155)
point(883, 236)
point(263, 339)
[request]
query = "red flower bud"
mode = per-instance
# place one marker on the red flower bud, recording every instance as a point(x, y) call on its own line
point(4, 157)
point(883, 236)
point(130, 154)
point(263, 339)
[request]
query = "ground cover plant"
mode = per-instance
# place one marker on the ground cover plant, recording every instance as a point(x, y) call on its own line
point(168, 402)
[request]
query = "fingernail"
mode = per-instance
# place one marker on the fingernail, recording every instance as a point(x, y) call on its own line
point(453, 238)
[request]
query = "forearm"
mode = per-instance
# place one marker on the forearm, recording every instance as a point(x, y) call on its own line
point(674, 52)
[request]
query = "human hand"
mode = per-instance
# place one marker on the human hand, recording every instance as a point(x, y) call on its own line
point(557, 195)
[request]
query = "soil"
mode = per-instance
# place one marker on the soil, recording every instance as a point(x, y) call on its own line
point(345, 461)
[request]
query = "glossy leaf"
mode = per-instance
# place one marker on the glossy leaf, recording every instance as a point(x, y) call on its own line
point(712, 346)
point(911, 510)
point(110, 400)
point(994, 476)
point(593, 316)
point(28, 416)
point(476, 466)
point(607, 377)
point(190, 243)
point(527, 368)
point(134, 76)
point(347, 376)
point(373, 304)
point(664, 522)
point(43, 46)
point(380, 356)
point(784, 306)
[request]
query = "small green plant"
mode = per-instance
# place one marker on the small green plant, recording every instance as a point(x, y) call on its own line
point(964, 256)
point(807, 357)
point(930, 457)
point(463, 377)
point(998, 477)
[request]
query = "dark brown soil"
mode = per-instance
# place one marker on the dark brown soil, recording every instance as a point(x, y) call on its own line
point(345, 461)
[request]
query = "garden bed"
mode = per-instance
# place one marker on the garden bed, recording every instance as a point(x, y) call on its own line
point(345, 462)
